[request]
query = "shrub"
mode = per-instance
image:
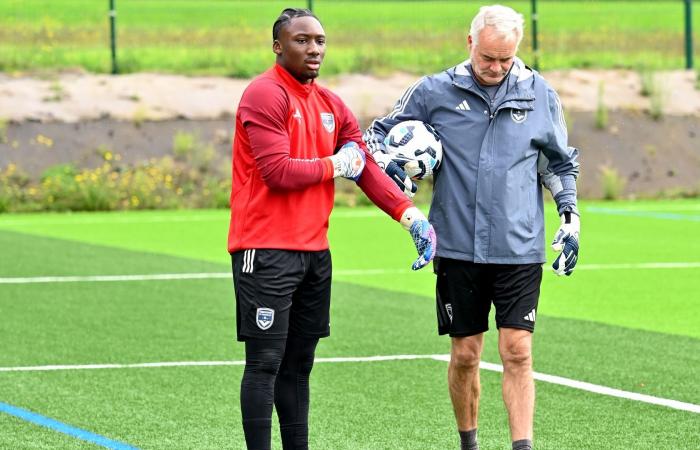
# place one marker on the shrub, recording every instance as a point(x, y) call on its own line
point(613, 182)
point(601, 114)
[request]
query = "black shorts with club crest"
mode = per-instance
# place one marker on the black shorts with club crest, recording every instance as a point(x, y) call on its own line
point(465, 291)
point(281, 292)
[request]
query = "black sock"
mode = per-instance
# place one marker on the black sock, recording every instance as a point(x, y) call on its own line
point(522, 444)
point(262, 361)
point(468, 439)
point(292, 392)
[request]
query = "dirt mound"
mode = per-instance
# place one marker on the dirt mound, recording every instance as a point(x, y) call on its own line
point(68, 117)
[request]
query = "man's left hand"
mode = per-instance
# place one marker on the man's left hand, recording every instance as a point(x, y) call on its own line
point(566, 241)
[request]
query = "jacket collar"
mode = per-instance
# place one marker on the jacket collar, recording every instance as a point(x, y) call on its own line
point(519, 80)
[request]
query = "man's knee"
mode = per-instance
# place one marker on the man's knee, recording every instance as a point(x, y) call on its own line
point(515, 348)
point(466, 353)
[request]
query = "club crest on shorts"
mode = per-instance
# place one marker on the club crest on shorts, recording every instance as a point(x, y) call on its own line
point(264, 318)
point(518, 115)
point(448, 308)
point(328, 121)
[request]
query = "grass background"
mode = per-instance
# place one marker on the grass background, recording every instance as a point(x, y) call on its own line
point(227, 37)
point(630, 329)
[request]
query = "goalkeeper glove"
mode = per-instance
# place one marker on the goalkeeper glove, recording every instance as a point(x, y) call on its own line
point(423, 236)
point(348, 162)
point(566, 242)
point(396, 173)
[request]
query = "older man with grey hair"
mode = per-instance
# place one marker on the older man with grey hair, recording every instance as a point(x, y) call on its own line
point(504, 137)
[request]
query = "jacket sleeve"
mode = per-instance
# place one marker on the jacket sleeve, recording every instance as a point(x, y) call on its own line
point(378, 187)
point(410, 106)
point(263, 111)
point(557, 163)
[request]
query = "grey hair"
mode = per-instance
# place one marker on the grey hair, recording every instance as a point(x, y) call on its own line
point(505, 20)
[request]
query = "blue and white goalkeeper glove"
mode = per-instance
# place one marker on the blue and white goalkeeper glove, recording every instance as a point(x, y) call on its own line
point(566, 242)
point(423, 236)
point(396, 173)
point(348, 162)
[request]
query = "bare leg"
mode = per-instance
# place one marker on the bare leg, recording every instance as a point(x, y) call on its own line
point(515, 347)
point(463, 379)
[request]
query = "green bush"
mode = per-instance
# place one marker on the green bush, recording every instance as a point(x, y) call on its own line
point(613, 183)
point(601, 114)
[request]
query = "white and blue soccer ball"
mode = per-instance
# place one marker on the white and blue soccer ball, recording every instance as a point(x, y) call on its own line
point(416, 146)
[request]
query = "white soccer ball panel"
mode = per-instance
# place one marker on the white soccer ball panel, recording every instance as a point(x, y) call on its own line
point(417, 144)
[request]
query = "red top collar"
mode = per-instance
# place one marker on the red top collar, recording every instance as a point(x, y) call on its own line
point(294, 84)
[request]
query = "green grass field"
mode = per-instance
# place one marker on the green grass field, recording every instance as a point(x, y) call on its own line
point(227, 37)
point(628, 319)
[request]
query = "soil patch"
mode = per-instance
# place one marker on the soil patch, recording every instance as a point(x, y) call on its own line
point(77, 117)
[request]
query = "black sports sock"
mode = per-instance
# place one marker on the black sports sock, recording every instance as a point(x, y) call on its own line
point(292, 392)
point(468, 439)
point(262, 361)
point(522, 444)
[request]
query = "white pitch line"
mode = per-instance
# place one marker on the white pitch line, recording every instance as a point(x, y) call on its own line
point(338, 273)
point(553, 379)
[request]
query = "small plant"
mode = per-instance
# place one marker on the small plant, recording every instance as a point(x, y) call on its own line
point(601, 113)
point(697, 80)
point(613, 182)
point(139, 117)
point(656, 103)
point(183, 145)
point(3, 131)
point(58, 93)
point(648, 80)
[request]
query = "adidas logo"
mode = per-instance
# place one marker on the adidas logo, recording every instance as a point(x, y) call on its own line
point(530, 316)
point(464, 106)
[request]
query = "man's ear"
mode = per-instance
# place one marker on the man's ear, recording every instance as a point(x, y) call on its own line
point(276, 47)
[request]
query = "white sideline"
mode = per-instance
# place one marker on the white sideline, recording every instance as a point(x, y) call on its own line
point(340, 272)
point(553, 379)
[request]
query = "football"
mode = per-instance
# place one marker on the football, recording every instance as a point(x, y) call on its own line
point(416, 146)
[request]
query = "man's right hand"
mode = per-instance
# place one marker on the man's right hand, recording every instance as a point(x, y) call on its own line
point(396, 173)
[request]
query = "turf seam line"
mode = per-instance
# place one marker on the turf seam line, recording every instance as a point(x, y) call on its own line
point(552, 379)
point(61, 427)
point(339, 272)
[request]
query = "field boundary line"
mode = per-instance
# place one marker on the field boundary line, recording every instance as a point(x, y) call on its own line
point(552, 379)
point(339, 272)
point(61, 427)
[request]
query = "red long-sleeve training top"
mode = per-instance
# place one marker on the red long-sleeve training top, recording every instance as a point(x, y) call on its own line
point(282, 192)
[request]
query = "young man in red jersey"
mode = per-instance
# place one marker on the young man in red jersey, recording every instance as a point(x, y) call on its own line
point(292, 139)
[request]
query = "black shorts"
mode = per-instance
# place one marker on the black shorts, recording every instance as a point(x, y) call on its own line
point(280, 292)
point(465, 291)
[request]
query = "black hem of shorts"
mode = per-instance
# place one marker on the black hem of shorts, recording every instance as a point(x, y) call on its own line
point(516, 326)
point(463, 334)
point(283, 336)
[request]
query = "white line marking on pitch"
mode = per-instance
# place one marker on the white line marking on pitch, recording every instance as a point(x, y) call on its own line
point(553, 379)
point(339, 273)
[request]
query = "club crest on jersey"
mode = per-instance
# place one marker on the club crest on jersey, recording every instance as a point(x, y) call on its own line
point(448, 308)
point(518, 115)
point(264, 318)
point(328, 121)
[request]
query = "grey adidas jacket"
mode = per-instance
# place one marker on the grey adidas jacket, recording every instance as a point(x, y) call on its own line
point(487, 204)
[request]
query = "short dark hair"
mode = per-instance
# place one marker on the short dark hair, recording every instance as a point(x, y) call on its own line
point(286, 16)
